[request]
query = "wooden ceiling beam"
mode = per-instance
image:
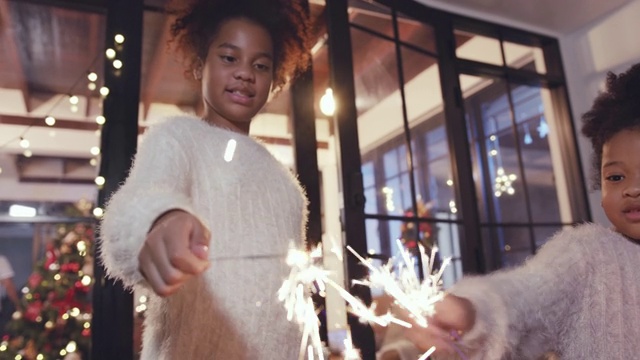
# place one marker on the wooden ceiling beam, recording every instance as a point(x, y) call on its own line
point(13, 54)
point(92, 6)
point(92, 126)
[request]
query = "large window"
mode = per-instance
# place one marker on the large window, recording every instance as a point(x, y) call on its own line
point(464, 136)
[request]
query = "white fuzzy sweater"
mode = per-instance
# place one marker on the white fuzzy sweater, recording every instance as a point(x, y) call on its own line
point(254, 208)
point(579, 296)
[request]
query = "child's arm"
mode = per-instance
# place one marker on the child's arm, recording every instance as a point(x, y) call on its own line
point(158, 182)
point(511, 310)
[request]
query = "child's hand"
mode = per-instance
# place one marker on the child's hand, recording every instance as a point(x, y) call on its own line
point(453, 316)
point(176, 248)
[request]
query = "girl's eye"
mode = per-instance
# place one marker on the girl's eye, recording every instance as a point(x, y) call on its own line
point(614, 178)
point(227, 58)
point(262, 67)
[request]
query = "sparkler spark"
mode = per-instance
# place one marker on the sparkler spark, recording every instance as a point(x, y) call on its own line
point(404, 285)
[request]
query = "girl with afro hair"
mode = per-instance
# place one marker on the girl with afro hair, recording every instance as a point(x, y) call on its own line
point(579, 296)
point(207, 214)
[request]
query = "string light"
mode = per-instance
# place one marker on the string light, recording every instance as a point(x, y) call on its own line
point(92, 76)
point(117, 64)
point(98, 212)
point(73, 100)
point(119, 38)
point(100, 120)
point(104, 91)
point(50, 120)
point(95, 151)
point(110, 53)
point(24, 143)
point(27, 153)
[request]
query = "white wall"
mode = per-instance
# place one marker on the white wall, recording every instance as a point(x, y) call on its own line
point(610, 44)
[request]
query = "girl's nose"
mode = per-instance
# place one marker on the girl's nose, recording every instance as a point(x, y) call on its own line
point(633, 190)
point(244, 73)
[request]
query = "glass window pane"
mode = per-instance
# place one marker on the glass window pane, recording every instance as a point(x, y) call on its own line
point(416, 33)
point(536, 154)
point(378, 99)
point(524, 57)
point(371, 15)
point(476, 47)
point(383, 236)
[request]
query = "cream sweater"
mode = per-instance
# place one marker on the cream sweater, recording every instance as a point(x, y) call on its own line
point(255, 209)
point(579, 296)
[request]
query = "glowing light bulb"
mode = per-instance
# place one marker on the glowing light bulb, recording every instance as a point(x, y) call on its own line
point(110, 53)
point(327, 103)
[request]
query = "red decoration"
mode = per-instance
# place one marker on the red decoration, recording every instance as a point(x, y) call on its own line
point(34, 280)
point(70, 267)
point(33, 310)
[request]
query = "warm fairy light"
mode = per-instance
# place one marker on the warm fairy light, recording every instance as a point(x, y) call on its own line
point(95, 151)
point(117, 64)
point(104, 91)
point(81, 245)
point(100, 120)
point(57, 277)
point(73, 100)
point(50, 120)
point(328, 103)
point(230, 150)
point(93, 162)
point(24, 143)
point(110, 53)
point(98, 212)
point(99, 180)
point(119, 38)
point(86, 280)
point(74, 312)
point(71, 346)
point(91, 86)
point(92, 76)
point(27, 153)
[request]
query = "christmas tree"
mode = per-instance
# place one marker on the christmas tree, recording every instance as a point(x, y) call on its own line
point(55, 319)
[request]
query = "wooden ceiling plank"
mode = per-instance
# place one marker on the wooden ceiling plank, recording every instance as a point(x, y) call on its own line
point(13, 55)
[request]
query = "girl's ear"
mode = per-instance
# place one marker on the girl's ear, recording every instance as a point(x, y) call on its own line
point(197, 71)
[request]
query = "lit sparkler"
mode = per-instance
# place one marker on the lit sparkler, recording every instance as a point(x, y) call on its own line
point(416, 296)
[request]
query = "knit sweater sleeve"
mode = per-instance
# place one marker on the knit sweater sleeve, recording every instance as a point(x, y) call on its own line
point(157, 182)
point(521, 309)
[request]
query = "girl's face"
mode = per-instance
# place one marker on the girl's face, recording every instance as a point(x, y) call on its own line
point(621, 182)
point(237, 74)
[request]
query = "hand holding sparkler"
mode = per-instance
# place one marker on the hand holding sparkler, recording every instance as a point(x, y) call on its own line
point(453, 315)
point(176, 248)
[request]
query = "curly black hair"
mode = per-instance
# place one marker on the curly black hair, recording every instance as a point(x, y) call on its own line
point(614, 110)
point(286, 21)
